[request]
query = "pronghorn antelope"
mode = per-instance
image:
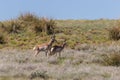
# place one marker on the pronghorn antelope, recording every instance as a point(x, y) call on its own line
point(44, 47)
point(57, 49)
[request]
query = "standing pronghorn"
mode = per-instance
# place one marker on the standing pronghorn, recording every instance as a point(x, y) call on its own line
point(57, 49)
point(44, 47)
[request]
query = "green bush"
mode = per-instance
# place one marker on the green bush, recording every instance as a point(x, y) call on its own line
point(114, 33)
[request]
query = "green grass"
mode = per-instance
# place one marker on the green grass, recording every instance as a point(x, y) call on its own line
point(28, 30)
point(12, 78)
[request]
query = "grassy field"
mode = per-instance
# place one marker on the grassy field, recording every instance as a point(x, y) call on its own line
point(90, 63)
point(91, 53)
point(28, 30)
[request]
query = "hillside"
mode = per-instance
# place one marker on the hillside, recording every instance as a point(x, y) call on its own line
point(28, 30)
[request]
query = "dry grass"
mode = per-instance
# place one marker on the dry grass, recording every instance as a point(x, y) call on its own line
point(29, 29)
point(86, 64)
point(95, 56)
point(114, 33)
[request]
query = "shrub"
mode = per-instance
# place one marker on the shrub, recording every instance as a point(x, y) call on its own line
point(11, 26)
point(44, 25)
point(114, 33)
point(37, 29)
point(112, 59)
point(1, 27)
point(50, 25)
point(28, 17)
point(40, 74)
point(2, 39)
point(37, 24)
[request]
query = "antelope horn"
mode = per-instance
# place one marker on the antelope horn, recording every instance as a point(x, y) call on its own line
point(53, 36)
point(65, 40)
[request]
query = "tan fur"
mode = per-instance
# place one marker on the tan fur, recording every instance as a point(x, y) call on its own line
point(44, 47)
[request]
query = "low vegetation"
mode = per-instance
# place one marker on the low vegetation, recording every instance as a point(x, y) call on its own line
point(28, 30)
point(2, 39)
point(112, 59)
point(114, 33)
point(92, 50)
point(97, 62)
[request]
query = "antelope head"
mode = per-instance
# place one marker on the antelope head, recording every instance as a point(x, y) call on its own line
point(53, 38)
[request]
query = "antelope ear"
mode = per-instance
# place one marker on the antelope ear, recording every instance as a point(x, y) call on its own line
point(65, 40)
point(53, 36)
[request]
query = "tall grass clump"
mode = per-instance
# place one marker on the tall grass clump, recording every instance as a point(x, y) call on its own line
point(45, 25)
point(39, 74)
point(2, 38)
point(50, 25)
point(28, 17)
point(36, 24)
point(114, 33)
point(28, 21)
point(112, 59)
point(1, 27)
point(11, 26)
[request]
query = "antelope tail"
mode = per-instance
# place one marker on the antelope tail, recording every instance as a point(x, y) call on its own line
point(34, 48)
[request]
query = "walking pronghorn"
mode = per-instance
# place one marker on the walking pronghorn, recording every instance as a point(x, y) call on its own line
point(57, 49)
point(44, 47)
